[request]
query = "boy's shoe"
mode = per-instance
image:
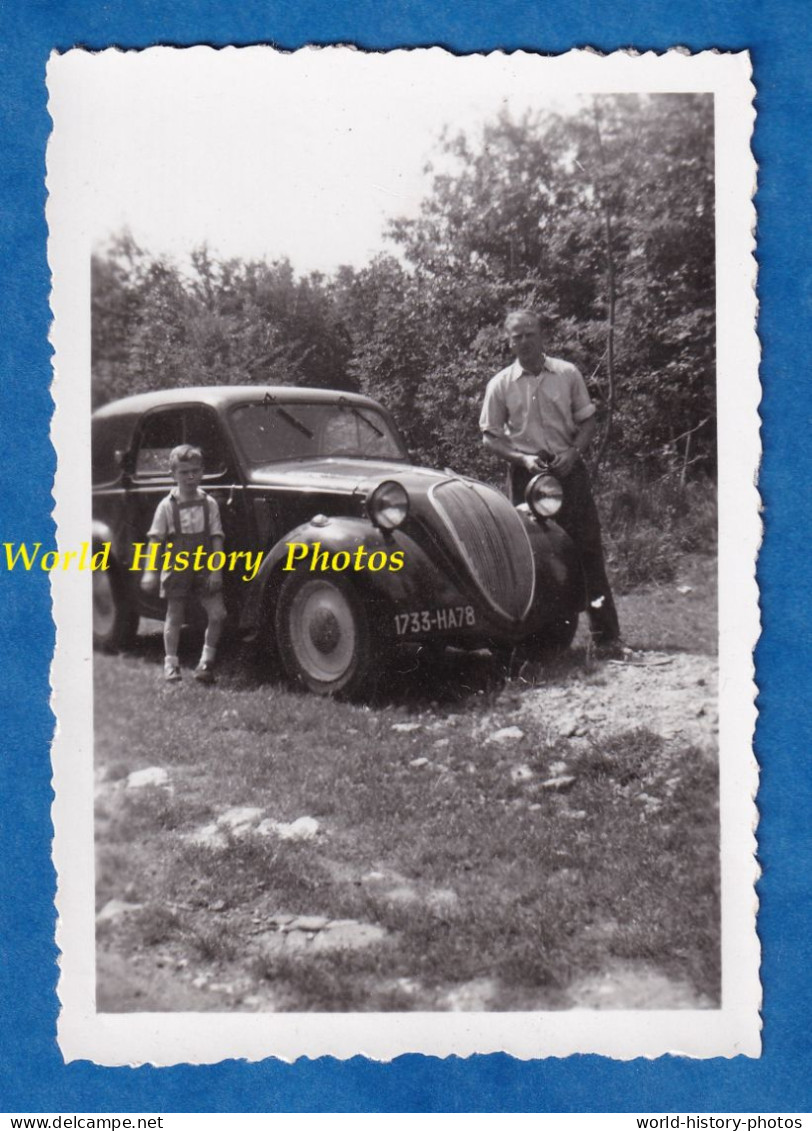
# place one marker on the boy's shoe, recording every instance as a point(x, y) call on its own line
point(171, 672)
point(204, 672)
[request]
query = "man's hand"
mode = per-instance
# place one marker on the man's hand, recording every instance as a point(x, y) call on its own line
point(149, 581)
point(564, 462)
point(531, 464)
point(214, 582)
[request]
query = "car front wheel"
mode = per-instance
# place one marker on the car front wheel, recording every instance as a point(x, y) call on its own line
point(325, 637)
point(115, 621)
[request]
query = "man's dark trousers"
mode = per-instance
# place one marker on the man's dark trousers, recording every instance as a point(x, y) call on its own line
point(579, 517)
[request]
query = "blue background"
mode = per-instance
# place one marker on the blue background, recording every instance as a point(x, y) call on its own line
point(32, 1074)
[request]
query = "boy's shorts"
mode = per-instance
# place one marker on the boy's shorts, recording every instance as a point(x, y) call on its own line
point(186, 583)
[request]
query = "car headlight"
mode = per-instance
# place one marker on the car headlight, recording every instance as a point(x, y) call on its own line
point(388, 505)
point(544, 495)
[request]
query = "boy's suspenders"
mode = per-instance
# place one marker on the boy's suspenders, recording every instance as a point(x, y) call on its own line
point(176, 514)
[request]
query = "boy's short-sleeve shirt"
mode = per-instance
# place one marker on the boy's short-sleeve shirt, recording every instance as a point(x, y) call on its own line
point(192, 517)
point(539, 412)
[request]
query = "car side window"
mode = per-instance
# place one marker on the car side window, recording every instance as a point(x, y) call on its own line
point(111, 437)
point(162, 431)
point(203, 430)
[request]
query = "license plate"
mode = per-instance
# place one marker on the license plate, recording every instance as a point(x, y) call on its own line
point(435, 620)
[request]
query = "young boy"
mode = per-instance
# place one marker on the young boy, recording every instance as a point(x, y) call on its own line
point(187, 518)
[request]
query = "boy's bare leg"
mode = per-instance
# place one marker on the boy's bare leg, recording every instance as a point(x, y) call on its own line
point(172, 627)
point(216, 615)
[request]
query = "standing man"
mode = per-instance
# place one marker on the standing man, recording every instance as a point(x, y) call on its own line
point(538, 416)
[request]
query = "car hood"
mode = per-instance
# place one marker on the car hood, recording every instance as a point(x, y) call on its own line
point(477, 526)
point(343, 476)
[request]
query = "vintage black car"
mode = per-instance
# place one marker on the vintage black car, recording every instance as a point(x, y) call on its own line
point(386, 553)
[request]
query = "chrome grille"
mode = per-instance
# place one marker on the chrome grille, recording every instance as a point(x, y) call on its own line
point(489, 535)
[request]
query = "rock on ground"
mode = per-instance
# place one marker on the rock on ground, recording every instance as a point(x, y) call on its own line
point(678, 701)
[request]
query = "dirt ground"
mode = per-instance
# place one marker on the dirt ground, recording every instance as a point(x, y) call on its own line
point(679, 693)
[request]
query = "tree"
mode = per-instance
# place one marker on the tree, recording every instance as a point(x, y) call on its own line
point(219, 322)
point(603, 221)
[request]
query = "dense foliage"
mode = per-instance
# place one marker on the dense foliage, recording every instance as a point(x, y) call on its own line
point(603, 221)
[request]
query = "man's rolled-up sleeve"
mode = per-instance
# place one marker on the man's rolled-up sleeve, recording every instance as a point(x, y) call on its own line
point(582, 406)
point(493, 417)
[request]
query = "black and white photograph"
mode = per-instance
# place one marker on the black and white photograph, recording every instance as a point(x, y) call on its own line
point(406, 430)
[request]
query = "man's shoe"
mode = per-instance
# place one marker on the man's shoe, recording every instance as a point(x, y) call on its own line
point(204, 672)
point(172, 672)
point(612, 650)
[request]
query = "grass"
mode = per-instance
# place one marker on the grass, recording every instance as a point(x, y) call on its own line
point(649, 524)
point(673, 616)
point(475, 873)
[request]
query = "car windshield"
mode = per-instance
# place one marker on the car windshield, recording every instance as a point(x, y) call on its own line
point(269, 431)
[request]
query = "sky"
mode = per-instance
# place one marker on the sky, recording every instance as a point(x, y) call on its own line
point(260, 154)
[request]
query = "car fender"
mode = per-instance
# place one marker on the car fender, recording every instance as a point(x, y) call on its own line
point(119, 556)
point(101, 533)
point(559, 578)
point(417, 582)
